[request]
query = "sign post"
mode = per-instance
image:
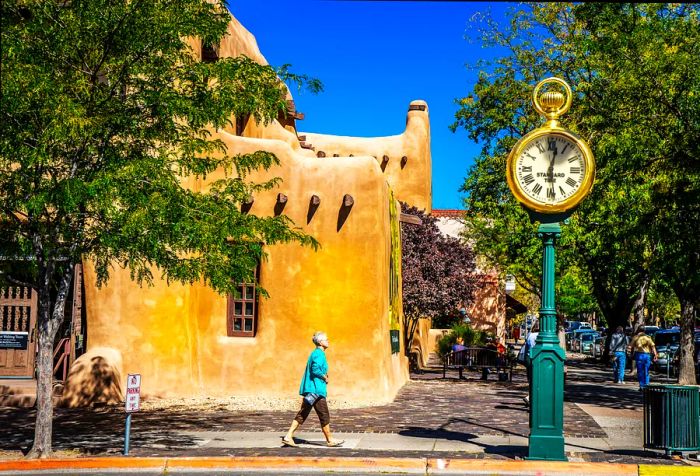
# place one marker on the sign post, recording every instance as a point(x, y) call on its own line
point(131, 404)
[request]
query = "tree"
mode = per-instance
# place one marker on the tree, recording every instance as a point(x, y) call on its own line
point(656, 78)
point(106, 112)
point(634, 69)
point(438, 272)
point(574, 297)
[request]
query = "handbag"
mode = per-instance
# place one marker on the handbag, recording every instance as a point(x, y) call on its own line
point(523, 353)
point(311, 398)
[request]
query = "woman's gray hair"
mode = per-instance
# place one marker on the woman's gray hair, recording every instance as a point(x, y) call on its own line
point(319, 337)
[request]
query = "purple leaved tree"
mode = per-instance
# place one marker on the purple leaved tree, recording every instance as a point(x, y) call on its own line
point(439, 272)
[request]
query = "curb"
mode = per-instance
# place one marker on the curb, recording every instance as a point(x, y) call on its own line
point(425, 466)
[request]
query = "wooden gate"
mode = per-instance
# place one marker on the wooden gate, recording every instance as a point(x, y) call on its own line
point(18, 309)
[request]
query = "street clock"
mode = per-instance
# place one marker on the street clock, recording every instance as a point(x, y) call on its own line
point(550, 169)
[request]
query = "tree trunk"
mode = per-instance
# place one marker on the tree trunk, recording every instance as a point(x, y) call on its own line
point(686, 372)
point(48, 325)
point(639, 304)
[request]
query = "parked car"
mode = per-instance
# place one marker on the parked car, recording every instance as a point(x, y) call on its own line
point(575, 325)
point(666, 341)
point(599, 345)
point(675, 364)
point(651, 330)
point(577, 337)
point(586, 341)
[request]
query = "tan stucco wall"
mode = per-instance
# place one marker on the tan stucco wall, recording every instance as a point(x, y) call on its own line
point(488, 309)
point(434, 336)
point(175, 335)
point(421, 342)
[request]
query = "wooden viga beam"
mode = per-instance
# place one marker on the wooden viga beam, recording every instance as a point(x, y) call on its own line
point(385, 161)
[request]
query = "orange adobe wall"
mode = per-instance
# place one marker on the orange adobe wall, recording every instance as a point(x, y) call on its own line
point(488, 308)
point(175, 335)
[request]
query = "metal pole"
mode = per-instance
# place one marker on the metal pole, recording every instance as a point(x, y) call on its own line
point(126, 434)
point(546, 440)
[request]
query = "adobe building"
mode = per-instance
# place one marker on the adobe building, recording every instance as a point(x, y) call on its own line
point(186, 340)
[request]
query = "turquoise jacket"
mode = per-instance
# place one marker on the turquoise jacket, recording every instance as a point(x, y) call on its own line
point(316, 369)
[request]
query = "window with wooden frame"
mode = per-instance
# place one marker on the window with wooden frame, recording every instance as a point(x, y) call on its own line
point(242, 309)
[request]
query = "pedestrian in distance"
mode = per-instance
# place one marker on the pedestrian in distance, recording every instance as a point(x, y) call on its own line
point(643, 350)
point(618, 347)
point(313, 389)
point(458, 345)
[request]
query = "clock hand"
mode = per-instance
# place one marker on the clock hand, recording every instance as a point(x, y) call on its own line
point(551, 162)
point(550, 172)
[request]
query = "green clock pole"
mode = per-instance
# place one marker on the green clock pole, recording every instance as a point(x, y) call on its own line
point(546, 441)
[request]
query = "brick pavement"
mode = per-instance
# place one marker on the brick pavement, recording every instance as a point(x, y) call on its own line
point(428, 406)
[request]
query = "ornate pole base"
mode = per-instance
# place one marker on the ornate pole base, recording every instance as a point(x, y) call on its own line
point(546, 441)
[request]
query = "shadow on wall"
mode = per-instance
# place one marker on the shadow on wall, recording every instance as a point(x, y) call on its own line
point(94, 378)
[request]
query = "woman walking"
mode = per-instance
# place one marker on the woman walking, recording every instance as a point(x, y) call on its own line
point(618, 345)
point(313, 389)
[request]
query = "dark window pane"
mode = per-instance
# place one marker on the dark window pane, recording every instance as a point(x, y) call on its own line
point(238, 308)
point(249, 309)
point(248, 325)
point(236, 324)
point(249, 292)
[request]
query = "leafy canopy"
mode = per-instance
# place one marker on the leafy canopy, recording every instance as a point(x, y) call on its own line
point(108, 125)
point(634, 69)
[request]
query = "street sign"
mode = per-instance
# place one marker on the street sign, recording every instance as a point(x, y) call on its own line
point(14, 340)
point(510, 283)
point(133, 393)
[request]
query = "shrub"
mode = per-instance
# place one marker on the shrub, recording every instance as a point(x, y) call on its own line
point(470, 336)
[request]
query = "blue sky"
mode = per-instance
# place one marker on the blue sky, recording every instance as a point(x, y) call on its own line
point(373, 58)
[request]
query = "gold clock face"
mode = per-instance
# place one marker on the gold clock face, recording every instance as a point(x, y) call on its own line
point(550, 170)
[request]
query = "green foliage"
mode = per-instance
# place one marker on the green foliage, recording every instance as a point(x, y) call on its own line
point(663, 304)
point(469, 336)
point(635, 71)
point(106, 110)
point(573, 291)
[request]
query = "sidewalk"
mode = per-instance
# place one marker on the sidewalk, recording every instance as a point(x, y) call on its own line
point(356, 466)
point(432, 419)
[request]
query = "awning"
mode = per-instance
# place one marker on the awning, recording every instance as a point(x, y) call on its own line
point(412, 219)
point(515, 305)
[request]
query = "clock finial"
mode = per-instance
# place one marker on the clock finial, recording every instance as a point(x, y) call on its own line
point(552, 104)
point(551, 101)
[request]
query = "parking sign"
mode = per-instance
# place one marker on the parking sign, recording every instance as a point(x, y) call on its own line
point(133, 393)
